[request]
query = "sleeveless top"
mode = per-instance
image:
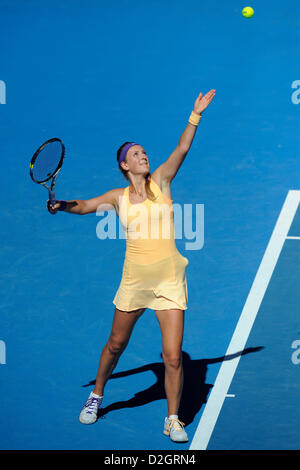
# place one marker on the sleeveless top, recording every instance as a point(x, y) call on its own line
point(154, 272)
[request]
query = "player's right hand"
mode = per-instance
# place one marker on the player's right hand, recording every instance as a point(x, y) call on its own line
point(53, 209)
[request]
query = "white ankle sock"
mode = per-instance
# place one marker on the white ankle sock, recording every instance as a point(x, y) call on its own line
point(94, 395)
point(173, 417)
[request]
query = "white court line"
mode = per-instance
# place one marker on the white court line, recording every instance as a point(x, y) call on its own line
point(227, 370)
point(293, 238)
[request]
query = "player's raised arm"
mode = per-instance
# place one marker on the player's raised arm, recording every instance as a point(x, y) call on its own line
point(168, 170)
point(105, 202)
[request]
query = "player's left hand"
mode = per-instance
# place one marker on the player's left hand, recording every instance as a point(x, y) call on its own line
point(202, 102)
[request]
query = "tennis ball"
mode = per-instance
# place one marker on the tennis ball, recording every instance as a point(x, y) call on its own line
point(248, 12)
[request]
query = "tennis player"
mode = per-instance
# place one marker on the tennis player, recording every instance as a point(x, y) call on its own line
point(154, 272)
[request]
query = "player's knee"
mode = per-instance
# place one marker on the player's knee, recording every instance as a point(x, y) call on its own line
point(172, 359)
point(116, 345)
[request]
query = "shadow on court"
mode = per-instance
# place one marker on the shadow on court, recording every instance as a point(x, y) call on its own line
point(194, 393)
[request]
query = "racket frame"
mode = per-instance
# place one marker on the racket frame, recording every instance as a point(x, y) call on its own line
point(53, 175)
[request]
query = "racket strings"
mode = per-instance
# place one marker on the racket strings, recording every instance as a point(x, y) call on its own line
point(47, 162)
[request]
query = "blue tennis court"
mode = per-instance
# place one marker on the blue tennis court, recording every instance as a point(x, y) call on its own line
point(97, 74)
point(261, 395)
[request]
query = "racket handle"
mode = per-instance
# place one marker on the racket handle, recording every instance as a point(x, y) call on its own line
point(52, 198)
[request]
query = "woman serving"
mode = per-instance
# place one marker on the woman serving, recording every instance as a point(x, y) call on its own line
point(154, 272)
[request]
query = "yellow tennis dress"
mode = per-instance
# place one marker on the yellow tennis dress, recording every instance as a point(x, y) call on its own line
point(154, 272)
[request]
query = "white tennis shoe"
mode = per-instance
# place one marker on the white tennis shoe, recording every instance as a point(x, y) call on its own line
point(175, 429)
point(89, 412)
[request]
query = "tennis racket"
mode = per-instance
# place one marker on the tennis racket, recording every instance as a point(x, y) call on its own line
point(46, 164)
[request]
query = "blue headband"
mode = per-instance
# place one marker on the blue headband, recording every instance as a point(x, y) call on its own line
point(125, 150)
